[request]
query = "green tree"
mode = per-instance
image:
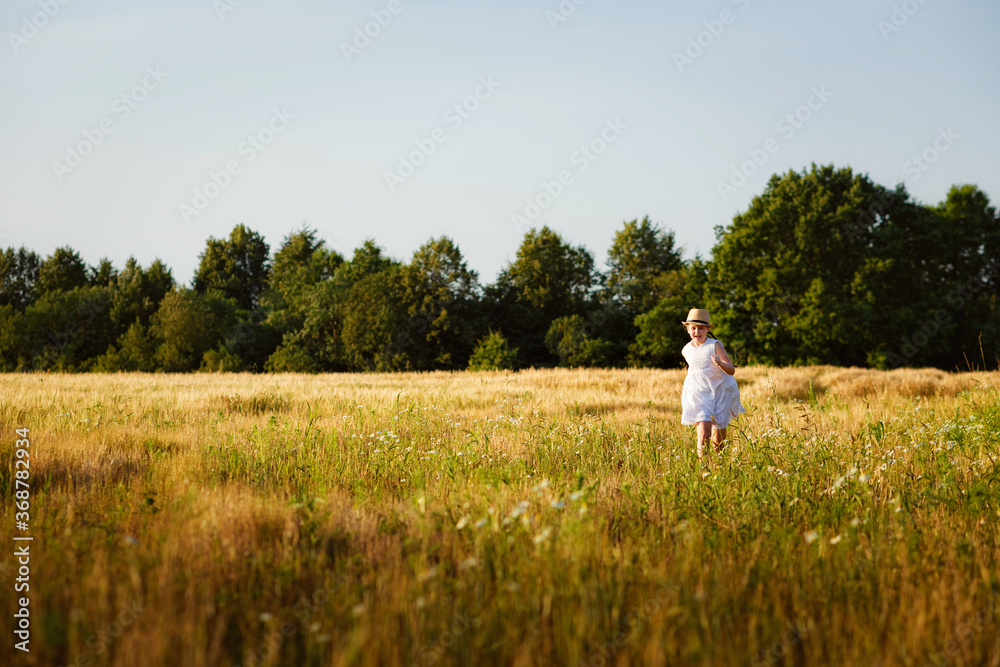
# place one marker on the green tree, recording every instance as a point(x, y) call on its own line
point(135, 350)
point(317, 345)
point(102, 275)
point(18, 277)
point(828, 267)
point(333, 335)
point(65, 330)
point(13, 355)
point(954, 260)
point(549, 274)
point(783, 285)
point(291, 358)
point(660, 336)
point(570, 338)
point(187, 325)
point(641, 252)
point(137, 292)
point(493, 353)
point(441, 297)
point(301, 262)
point(368, 259)
point(135, 296)
point(237, 267)
point(373, 324)
point(62, 271)
point(641, 257)
point(548, 279)
point(249, 343)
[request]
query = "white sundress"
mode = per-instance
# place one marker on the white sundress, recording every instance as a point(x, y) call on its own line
point(709, 394)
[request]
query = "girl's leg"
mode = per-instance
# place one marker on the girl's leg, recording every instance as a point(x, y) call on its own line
point(718, 435)
point(704, 429)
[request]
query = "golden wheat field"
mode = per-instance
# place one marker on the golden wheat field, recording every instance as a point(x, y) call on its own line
point(548, 517)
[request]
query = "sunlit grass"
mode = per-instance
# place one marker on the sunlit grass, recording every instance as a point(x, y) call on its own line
point(542, 517)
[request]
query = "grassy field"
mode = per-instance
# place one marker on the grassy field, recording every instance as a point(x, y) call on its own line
point(539, 518)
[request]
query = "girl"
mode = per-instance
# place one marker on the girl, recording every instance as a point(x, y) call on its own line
point(710, 398)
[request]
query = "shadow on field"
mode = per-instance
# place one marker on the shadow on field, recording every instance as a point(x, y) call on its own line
point(70, 463)
point(807, 383)
point(257, 404)
point(107, 470)
point(611, 408)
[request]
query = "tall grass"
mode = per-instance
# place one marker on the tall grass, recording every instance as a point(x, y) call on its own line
point(536, 518)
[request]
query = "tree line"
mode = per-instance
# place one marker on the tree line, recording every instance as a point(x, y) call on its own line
point(824, 267)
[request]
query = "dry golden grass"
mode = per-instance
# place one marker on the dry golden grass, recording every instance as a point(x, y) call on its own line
point(539, 517)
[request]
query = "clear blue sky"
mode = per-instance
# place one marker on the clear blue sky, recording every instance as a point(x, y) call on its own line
point(887, 95)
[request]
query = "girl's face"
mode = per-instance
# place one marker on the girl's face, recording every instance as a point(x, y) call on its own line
point(698, 333)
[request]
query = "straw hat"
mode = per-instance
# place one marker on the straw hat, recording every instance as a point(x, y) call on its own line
point(698, 316)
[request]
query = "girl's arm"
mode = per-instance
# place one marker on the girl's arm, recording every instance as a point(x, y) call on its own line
point(721, 359)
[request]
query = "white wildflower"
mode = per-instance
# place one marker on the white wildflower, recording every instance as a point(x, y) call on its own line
point(519, 509)
point(541, 486)
point(542, 536)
